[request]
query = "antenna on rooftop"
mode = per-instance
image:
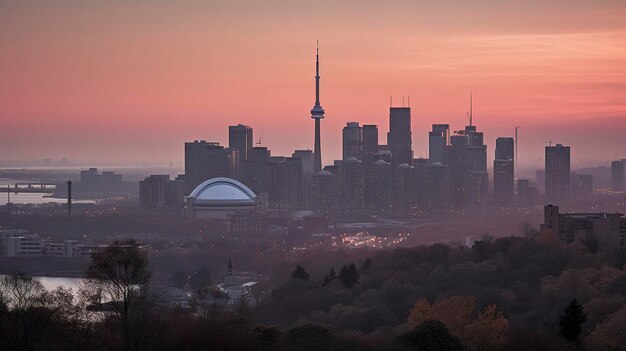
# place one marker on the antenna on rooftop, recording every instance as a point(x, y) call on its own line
point(469, 114)
point(516, 128)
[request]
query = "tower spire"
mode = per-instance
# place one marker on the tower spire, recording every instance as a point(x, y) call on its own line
point(470, 112)
point(317, 113)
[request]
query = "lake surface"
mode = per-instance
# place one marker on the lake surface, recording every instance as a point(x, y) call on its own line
point(29, 198)
point(51, 283)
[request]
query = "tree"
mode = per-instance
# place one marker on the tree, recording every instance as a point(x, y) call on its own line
point(609, 335)
point(349, 276)
point(300, 273)
point(27, 315)
point(332, 275)
point(431, 335)
point(487, 332)
point(571, 321)
point(119, 275)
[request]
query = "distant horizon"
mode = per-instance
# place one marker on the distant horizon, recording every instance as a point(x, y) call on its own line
point(130, 83)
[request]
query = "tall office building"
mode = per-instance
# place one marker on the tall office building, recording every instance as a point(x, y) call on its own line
point(505, 148)
point(325, 191)
point(504, 171)
point(399, 136)
point(317, 113)
point(503, 181)
point(557, 173)
point(240, 139)
point(438, 140)
point(352, 186)
point(306, 156)
point(617, 175)
point(378, 187)
point(370, 143)
point(352, 139)
point(205, 160)
point(289, 187)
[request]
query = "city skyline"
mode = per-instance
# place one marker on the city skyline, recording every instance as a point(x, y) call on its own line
point(114, 94)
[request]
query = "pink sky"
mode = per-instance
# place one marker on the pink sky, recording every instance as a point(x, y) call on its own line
point(115, 82)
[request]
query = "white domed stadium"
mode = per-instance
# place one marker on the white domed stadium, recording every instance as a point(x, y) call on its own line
point(219, 198)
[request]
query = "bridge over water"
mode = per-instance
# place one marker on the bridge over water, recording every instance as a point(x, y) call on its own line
point(31, 188)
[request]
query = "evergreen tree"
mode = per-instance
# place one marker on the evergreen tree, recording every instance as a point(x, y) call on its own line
point(300, 273)
point(332, 275)
point(349, 275)
point(571, 321)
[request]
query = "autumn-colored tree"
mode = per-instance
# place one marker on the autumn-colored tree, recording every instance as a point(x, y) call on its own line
point(455, 312)
point(608, 335)
point(488, 332)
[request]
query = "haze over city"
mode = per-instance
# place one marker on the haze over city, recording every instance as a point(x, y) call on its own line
point(313, 176)
point(124, 83)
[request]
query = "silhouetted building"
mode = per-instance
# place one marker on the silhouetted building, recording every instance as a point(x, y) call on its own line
point(352, 140)
point(325, 191)
point(260, 154)
point(439, 192)
point(378, 188)
point(503, 181)
point(527, 195)
point(608, 229)
point(240, 139)
point(582, 185)
point(352, 186)
point(289, 185)
point(459, 170)
point(158, 191)
point(93, 181)
point(617, 175)
point(503, 171)
point(505, 148)
point(307, 159)
point(557, 173)
point(399, 136)
point(403, 189)
point(205, 160)
point(438, 141)
point(370, 143)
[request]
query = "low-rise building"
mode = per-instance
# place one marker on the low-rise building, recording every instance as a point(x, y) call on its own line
point(608, 229)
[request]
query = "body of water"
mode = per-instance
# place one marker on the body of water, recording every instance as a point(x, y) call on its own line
point(28, 198)
point(51, 283)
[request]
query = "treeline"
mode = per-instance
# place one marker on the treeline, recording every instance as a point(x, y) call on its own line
point(525, 283)
point(529, 293)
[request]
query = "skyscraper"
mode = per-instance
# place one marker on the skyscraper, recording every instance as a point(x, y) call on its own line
point(317, 113)
point(438, 140)
point(352, 139)
point(240, 139)
point(617, 175)
point(503, 171)
point(205, 160)
point(557, 173)
point(399, 136)
point(370, 143)
point(504, 148)
point(503, 181)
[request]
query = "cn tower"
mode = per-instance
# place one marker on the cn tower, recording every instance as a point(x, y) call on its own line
point(317, 113)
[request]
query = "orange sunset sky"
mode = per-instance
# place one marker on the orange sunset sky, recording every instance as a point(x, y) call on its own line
point(131, 81)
